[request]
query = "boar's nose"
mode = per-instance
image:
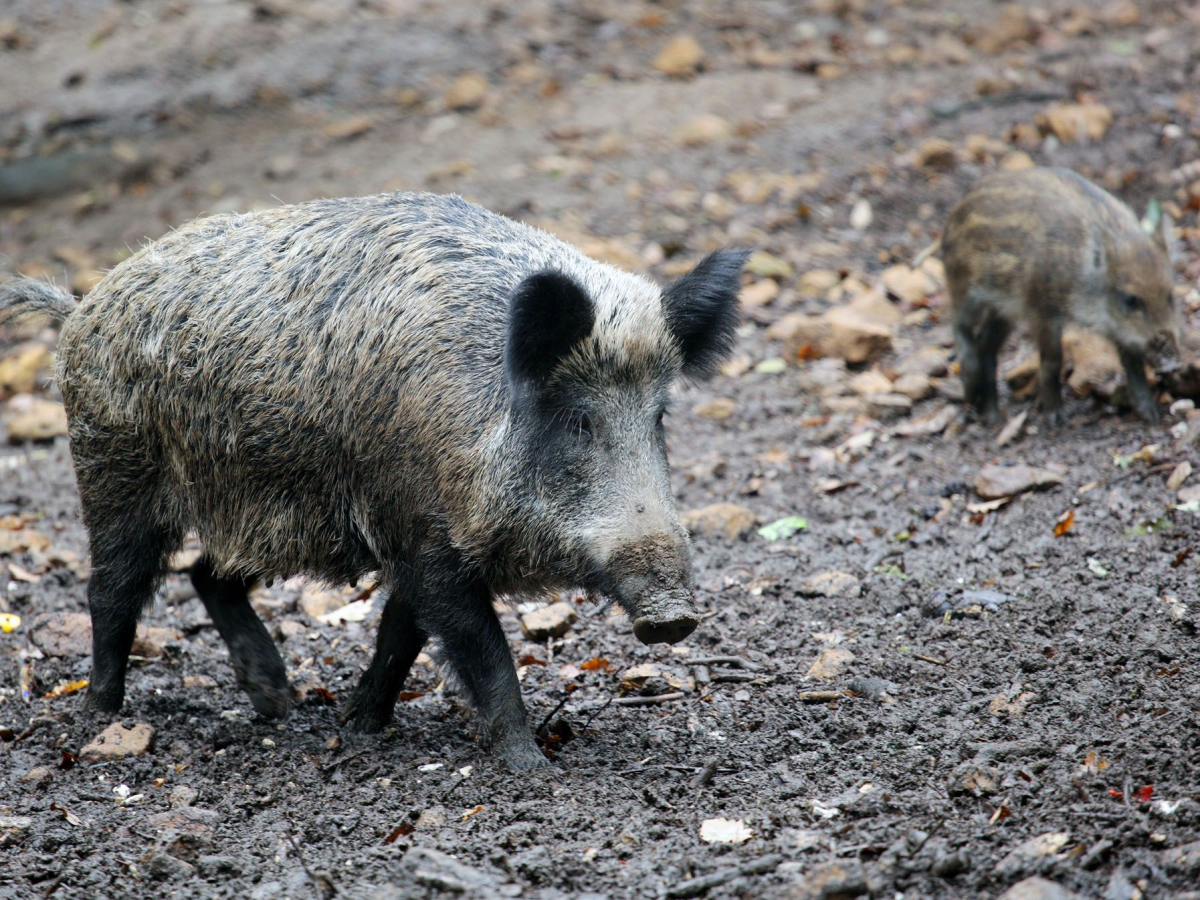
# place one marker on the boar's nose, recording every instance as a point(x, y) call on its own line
point(669, 631)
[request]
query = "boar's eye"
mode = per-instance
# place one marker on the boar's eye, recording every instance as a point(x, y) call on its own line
point(579, 424)
point(1131, 303)
point(658, 422)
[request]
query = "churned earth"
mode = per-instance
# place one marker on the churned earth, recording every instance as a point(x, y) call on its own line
point(904, 684)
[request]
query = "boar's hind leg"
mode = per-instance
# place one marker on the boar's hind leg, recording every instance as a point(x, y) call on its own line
point(129, 558)
point(1050, 351)
point(371, 705)
point(256, 662)
point(977, 357)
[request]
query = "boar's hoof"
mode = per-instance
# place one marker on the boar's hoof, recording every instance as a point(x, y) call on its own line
point(521, 753)
point(660, 631)
point(99, 700)
point(268, 690)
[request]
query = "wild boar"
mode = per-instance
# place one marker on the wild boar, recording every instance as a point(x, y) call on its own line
point(405, 384)
point(1045, 247)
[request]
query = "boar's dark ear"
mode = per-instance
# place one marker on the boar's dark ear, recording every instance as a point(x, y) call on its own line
point(548, 315)
point(702, 311)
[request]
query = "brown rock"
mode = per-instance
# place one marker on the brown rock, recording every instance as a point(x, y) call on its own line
point(717, 408)
point(1072, 122)
point(680, 57)
point(768, 265)
point(150, 642)
point(1015, 26)
point(994, 482)
point(833, 881)
point(200, 682)
point(909, 285)
point(63, 634)
point(937, 154)
point(649, 679)
point(19, 370)
point(548, 622)
point(886, 407)
point(914, 385)
point(117, 742)
point(873, 304)
point(36, 420)
point(871, 381)
point(831, 584)
point(933, 362)
point(816, 282)
point(1016, 161)
point(703, 130)
point(347, 129)
point(760, 293)
point(830, 663)
point(468, 91)
point(728, 519)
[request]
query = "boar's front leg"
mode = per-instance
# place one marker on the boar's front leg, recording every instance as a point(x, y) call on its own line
point(1141, 397)
point(1050, 349)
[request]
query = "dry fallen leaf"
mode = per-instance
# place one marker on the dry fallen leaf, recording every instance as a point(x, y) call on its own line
point(356, 611)
point(724, 831)
point(1064, 523)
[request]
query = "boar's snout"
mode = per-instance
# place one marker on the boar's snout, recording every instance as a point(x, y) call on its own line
point(652, 579)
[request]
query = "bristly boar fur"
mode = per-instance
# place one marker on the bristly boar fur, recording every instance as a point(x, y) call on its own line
point(403, 383)
point(1043, 248)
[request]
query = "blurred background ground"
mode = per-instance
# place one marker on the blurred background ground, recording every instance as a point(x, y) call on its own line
point(929, 696)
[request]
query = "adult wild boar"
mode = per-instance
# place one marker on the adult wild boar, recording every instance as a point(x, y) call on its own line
point(404, 383)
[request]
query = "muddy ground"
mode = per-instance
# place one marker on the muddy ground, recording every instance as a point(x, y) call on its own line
point(1048, 727)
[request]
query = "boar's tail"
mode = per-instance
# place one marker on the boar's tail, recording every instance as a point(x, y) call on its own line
point(929, 251)
point(21, 297)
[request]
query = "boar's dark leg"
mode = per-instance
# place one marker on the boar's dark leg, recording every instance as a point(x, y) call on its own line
point(371, 705)
point(1141, 397)
point(128, 560)
point(977, 357)
point(256, 662)
point(1050, 350)
point(459, 612)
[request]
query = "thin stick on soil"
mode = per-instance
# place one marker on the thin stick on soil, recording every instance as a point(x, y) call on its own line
point(329, 767)
point(707, 773)
point(601, 709)
point(321, 881)
point(930, 659)
point(694, 887)
point(649, 701)
point(550, 715)
point(735, 662)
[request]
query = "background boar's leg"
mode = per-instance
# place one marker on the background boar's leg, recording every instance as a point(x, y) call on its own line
point(256, 662)
point(400, 639)
point(128, 560)
point(1050, 350)
point(1141, 398)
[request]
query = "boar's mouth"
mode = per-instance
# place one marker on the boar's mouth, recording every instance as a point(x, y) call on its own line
point(652, 580)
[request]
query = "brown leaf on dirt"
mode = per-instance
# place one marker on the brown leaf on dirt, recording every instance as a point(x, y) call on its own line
point(680, 57)
point(1179, 475)
point(1072, 122)
point(728, 519)
point(34, 419)
point(1064, 523)
point(596, 664)
point(830, 663)
point(996, 481)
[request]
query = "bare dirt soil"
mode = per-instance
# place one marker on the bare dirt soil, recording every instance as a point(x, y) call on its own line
point(999, 701)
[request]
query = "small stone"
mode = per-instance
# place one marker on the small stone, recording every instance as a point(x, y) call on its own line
point(861, 215)
point(182, 795)
point(210, 866)
point(646, 679)
point(163, 866)
point(288, 629)
point(1016, 161)
point(830, 663)
point(117, 742)
point(760, 293)
point(1075, 122)
point(468, 91)
point(729, 519)
point(833, 881)
point(914, 385)
point(1185, 858)
point(853, 337)
point(1019, 859)
point(39, 775)
point(150, 642)
point(703, 130)
point(281, 167)
point(717, 408)
point(973, 778)
point(937, 154)
point(680, 57)
point(994, 481)
point(63, 634)
point(871, 381)
point(348, 129)
point(831, 584)
point(816, 282)
point(909, 285)
point(886, 407)
point(199, 682)
point(36, 420)
point(768, 265)
point(548, 622)
point(932, 362)
point(19, 370)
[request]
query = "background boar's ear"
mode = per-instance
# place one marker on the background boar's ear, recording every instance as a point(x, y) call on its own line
point(548, 315)
point(701, 310)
